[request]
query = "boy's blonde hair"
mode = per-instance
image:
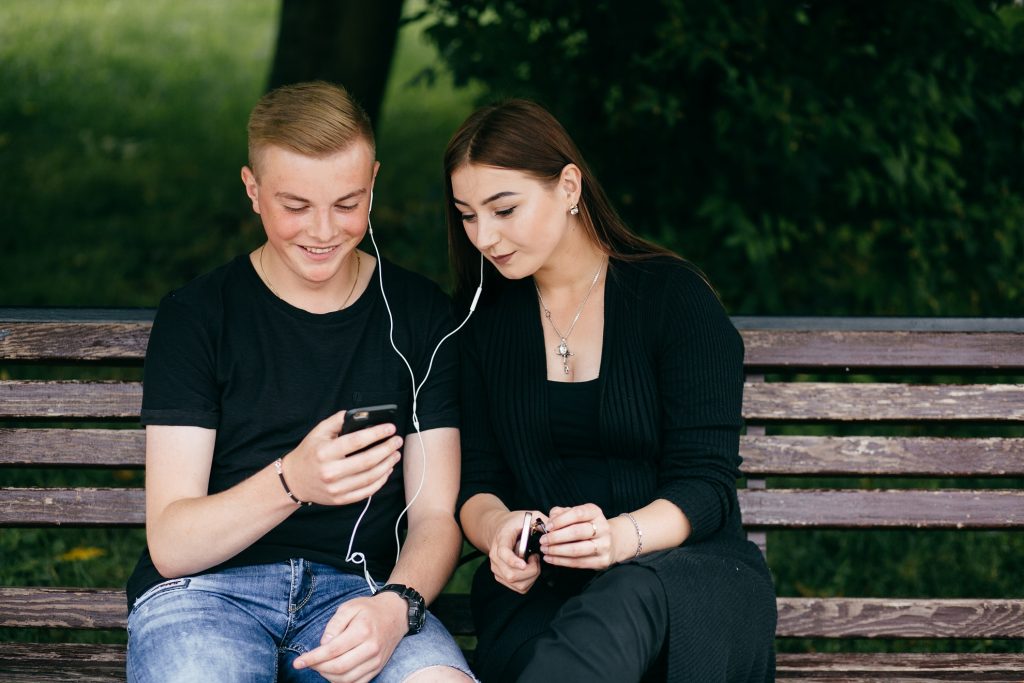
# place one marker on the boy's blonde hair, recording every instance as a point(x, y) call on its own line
point(315, 119)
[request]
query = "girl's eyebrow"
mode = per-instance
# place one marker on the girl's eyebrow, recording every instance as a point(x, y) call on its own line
point(490, 199)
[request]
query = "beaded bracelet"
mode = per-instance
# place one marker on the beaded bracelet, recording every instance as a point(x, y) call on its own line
point(639, 534)
point(279, 466)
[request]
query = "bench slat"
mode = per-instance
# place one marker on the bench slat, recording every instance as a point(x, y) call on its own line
point(58, 662)
point(80, 608)
point(115, 342)
point(762, 402)
point(881, 456)
point(898, 618)
point(73, 447)
point(106, 507)
point(105, 662)
point(121, 336)
point(70, 399)
point(937, 666)
point(762, 455)
point(882, 402)
point(762, 508)
point(885, 509)
point(821, 350)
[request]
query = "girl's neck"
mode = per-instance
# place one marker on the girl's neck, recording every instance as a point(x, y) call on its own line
point(571, 267)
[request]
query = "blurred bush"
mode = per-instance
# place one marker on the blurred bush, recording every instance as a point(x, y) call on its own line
point(816, 157)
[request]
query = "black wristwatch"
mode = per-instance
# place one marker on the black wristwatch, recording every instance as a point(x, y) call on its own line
point(417, 607)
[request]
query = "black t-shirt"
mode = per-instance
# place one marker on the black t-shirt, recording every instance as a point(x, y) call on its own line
point(225, 353)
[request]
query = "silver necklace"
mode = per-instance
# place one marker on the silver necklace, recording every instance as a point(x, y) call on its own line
point(563, 346)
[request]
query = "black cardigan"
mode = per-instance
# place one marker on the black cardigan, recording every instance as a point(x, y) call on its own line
point(671, 385)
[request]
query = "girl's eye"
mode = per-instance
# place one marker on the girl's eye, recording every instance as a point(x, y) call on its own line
point(468, 217)
point(505, 213)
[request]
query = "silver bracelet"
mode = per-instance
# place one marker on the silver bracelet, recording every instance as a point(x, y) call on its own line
point(639, 534)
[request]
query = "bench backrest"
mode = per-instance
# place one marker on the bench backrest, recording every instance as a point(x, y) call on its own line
point(805, 418)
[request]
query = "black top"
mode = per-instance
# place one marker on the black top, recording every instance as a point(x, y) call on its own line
point(574, 412)
point(667, 426)
point(225, 353)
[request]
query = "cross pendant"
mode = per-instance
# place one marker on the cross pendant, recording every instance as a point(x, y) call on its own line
point(564, 352)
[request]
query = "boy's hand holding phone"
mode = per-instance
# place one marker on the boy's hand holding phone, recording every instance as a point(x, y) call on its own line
point(346, 458)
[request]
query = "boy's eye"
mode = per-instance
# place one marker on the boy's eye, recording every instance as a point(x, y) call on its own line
point(505, 213)
point(345, 207)
point(294, 209)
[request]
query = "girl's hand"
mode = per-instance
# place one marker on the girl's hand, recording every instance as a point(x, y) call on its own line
point(509, 569)
point(581, 537)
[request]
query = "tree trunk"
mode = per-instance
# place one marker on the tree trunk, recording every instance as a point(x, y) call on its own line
point(349, 42)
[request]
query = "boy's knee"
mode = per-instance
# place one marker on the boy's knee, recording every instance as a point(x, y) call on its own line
point(439, 674)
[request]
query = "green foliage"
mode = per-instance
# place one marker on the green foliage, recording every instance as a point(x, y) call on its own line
point(122, 132)
point(828, 158)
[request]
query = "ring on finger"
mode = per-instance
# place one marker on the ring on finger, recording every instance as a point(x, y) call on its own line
point(593, 543)
point(594, 527)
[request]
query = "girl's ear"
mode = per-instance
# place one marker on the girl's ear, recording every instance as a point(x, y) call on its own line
point(571, 183)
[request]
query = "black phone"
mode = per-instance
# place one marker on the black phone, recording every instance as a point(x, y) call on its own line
point(368, 416)
point(529, 537)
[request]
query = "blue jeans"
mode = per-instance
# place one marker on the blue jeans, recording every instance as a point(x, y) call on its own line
point(250, 623)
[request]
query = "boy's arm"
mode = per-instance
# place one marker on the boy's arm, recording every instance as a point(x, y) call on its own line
point(365, 631)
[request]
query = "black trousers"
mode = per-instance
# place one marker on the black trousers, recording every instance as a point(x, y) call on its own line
point(613, 631)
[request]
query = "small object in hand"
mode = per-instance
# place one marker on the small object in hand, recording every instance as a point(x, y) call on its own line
point(529, 537)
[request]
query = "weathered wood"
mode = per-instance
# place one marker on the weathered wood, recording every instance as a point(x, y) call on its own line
point(881, 456)
point(882, 350)
point(94, 663)
point(889, 666)
point(108, 507)
point(888, 509)
point(857, 402)
point(58, 662)
point(762, 402)
point(896, 618)
point(762, 508)
point(763, 455)
point(798, 617)
point(76, 608)
point(953, 344)
point(74, 342)
point(73, 447)
point(70, 399)
point(99, 609)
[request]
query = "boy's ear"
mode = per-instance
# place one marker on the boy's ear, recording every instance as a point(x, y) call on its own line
point(252, 188)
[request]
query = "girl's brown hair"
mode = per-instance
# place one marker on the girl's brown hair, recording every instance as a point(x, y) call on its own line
point(523, 136)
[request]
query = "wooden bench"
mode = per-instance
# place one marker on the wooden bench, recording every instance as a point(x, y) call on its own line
point(799, 378)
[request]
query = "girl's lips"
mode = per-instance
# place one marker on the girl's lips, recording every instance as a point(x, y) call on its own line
point(503, 259)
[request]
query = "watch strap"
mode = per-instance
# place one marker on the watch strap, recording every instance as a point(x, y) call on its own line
point(417, 608)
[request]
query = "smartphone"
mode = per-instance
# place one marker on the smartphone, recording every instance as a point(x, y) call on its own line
point(529, 537)
point(368, 416)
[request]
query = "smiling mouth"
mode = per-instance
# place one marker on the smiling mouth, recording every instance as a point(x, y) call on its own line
point(318, 250)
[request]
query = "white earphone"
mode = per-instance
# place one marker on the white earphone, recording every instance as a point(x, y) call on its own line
point(358, 557)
